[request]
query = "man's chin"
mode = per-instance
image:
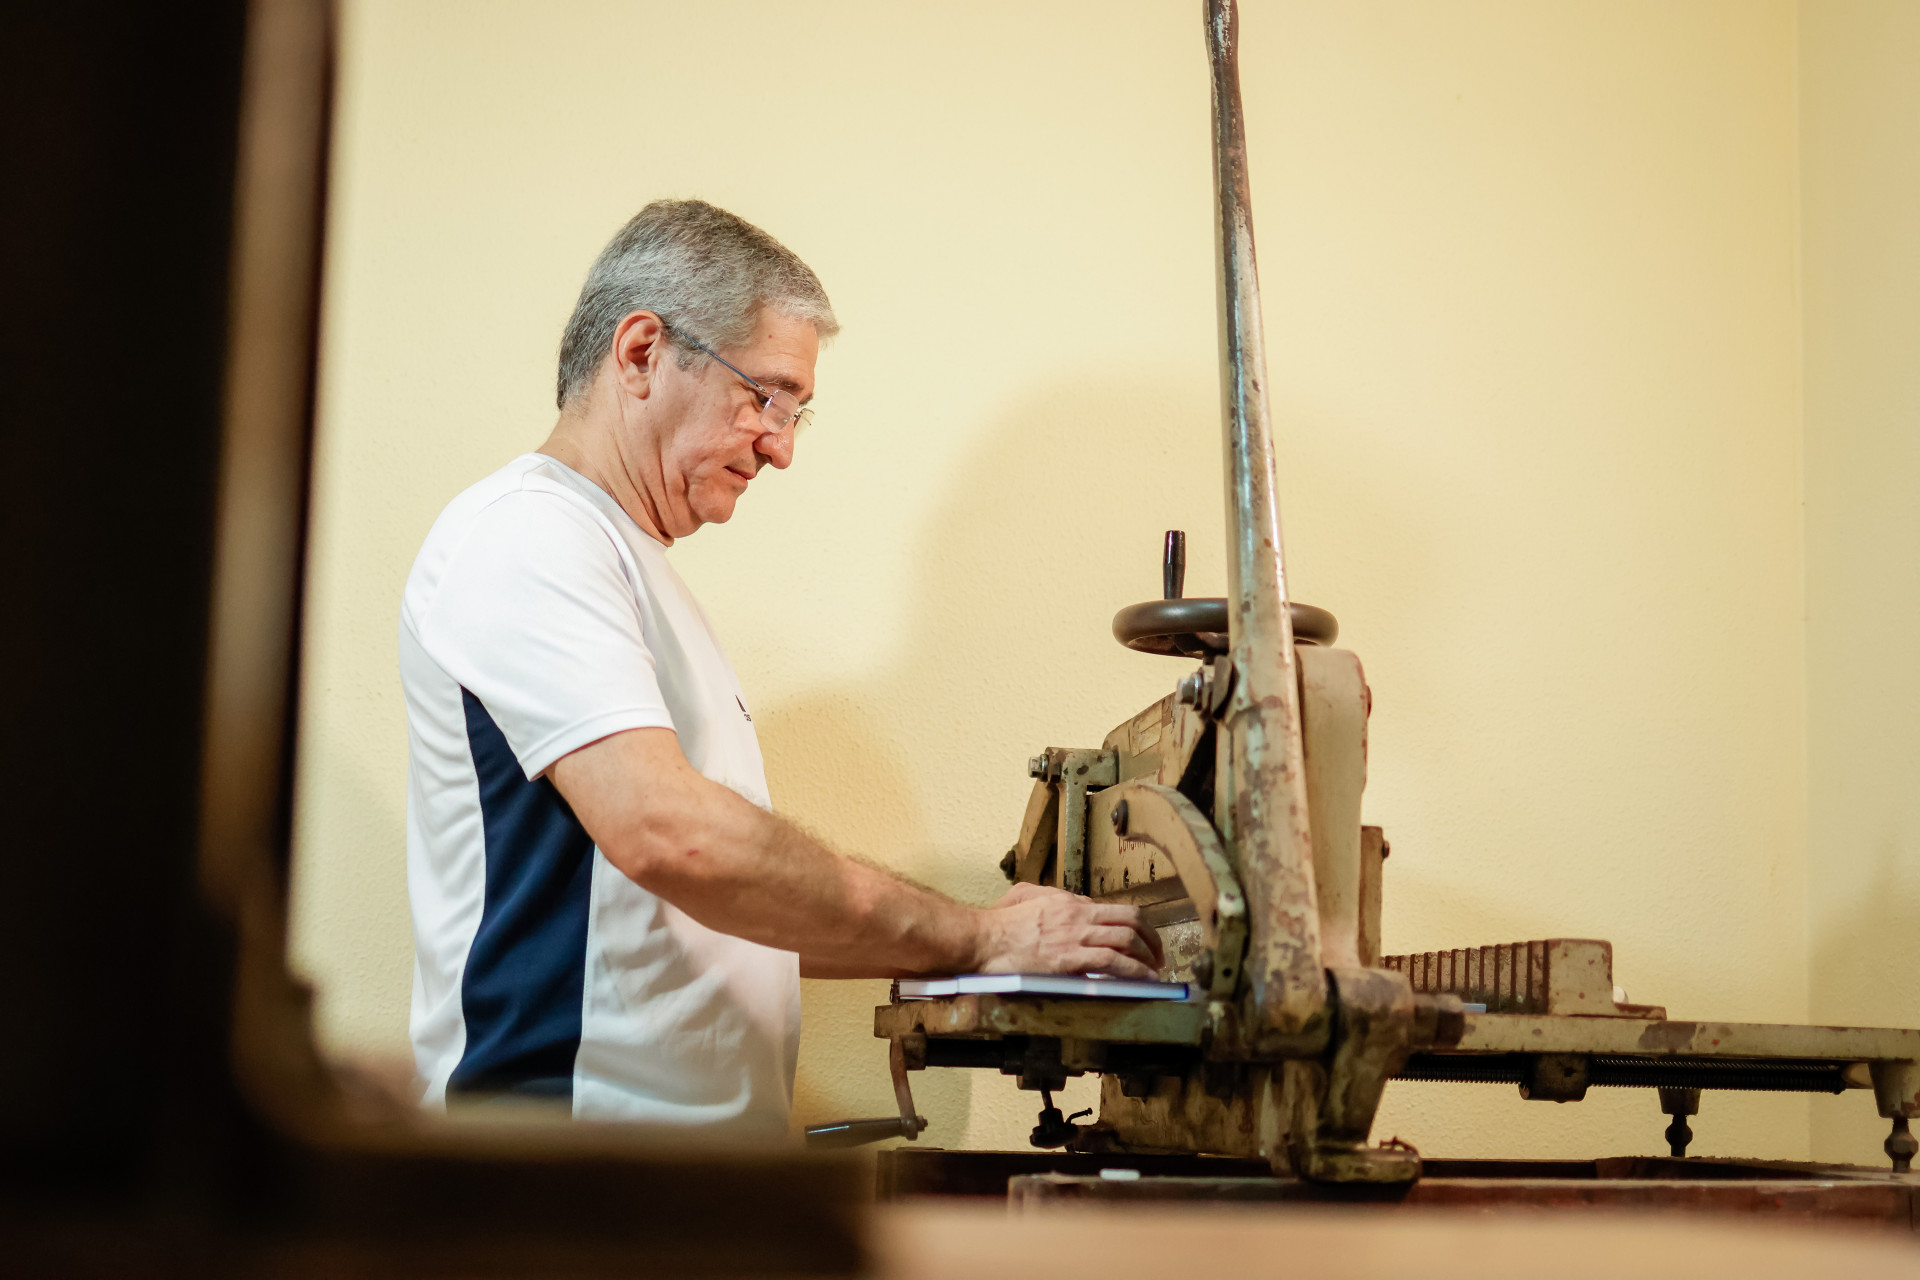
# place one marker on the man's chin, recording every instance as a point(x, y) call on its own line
point(714, 509)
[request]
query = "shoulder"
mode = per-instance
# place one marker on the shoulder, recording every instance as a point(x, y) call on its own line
point(518, 521)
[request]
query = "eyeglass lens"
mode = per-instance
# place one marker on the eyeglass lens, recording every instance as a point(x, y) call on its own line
point(783, 407)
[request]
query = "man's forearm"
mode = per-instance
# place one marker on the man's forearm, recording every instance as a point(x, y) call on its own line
point(740, 870)
point(760, 877)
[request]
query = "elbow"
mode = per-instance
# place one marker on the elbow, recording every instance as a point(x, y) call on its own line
point(659, 849)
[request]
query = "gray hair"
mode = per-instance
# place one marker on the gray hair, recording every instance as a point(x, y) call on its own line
point(702, 269)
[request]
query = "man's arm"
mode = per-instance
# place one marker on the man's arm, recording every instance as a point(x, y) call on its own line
point(740, 870)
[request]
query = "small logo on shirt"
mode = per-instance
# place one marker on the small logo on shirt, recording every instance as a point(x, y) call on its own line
point(743, 708)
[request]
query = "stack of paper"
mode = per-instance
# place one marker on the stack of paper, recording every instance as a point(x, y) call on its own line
point(1041, 984)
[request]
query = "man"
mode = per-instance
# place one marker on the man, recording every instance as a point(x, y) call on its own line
point(605, 911)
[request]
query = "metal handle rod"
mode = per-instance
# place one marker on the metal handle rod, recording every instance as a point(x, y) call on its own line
point(1264, 816)
point(858, 1133)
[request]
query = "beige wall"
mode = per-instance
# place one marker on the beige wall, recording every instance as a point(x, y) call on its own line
point(1531, 283)
point(1860, 161)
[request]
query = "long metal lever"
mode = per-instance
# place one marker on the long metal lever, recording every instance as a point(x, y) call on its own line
point(855, 1133)
point(1266, 823)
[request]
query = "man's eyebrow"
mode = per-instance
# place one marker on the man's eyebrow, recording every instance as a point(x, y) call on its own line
point(784, 383)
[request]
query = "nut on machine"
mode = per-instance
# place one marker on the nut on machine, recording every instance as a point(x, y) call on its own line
point(1229, 812)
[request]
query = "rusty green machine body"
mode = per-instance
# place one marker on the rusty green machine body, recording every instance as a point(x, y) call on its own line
point(1229, 812)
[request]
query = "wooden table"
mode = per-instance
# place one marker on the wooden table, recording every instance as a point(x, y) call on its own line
point(953, 1240)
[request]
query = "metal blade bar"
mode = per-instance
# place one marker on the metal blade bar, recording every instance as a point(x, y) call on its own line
point(1263, 810)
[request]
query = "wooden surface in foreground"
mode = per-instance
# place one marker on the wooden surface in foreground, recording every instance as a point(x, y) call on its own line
point(969, 1242)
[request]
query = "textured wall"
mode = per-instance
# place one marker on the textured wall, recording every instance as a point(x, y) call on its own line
point(1530, 283)
point(1859, 143)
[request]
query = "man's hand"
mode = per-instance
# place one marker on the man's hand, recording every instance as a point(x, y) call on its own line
point(1036, 929)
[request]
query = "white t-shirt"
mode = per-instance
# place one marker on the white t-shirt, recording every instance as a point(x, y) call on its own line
point(539, 618)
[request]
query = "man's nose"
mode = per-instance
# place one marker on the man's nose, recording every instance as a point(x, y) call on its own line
point(776, 447)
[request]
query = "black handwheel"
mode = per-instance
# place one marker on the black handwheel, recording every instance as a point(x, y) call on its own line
point(1197, 628)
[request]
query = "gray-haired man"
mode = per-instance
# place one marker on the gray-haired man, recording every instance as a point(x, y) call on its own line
point(605, 910)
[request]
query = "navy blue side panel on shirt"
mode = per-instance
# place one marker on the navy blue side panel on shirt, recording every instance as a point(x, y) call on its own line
point(521, 992)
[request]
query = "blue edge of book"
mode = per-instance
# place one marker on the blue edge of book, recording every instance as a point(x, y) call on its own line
point(1091, 986)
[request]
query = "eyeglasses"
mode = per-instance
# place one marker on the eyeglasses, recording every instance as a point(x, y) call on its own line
point(780, 408)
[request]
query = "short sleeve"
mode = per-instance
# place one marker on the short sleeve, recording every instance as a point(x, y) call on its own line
point(535, 616)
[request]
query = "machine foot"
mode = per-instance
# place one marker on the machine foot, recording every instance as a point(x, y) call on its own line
point(1901, 1146)
point(1679, 1103)
point(1392, 1162)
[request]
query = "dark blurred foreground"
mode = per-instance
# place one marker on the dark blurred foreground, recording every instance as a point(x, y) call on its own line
point(162, 1110)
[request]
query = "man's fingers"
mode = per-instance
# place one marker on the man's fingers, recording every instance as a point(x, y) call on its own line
point(1115, 914)
point(1102, 960)
point(1120, 938)
point(1060, 932)
point(1156, 957)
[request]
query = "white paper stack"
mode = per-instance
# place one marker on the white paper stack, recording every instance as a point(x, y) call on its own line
point(1041, 984)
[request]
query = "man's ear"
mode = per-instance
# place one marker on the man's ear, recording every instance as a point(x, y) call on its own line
point(639, 349)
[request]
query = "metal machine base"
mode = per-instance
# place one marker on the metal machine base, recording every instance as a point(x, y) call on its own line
point(1776, 1190)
